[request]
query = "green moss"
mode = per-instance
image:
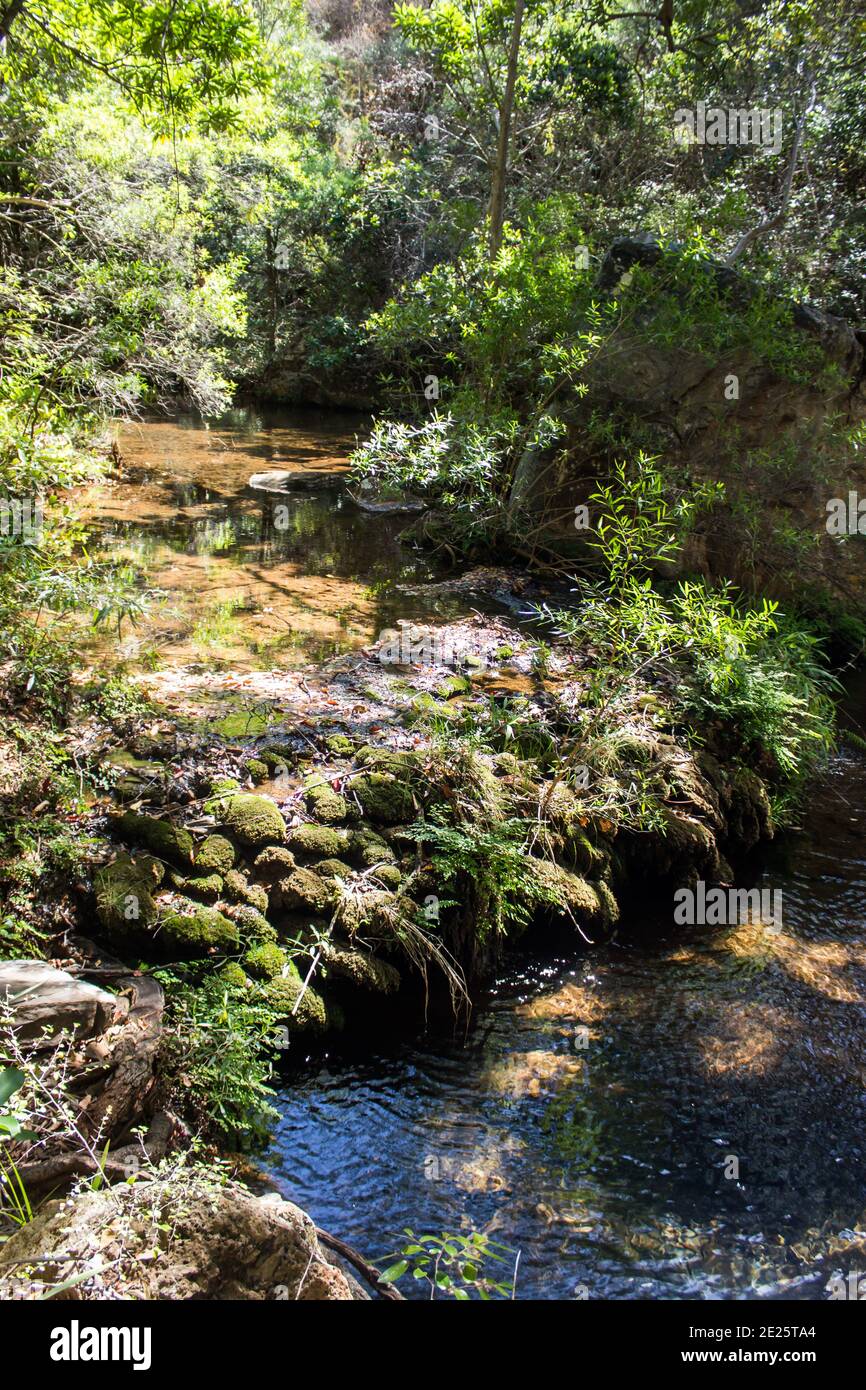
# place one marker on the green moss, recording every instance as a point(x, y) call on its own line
point(232, 974)
point(368, 848)
point(223, 786)
point(258, 770)
point(239, 890)
point(206, 887)
point(395, 760)
point(283, 993)
point(324, 803)
point(254, 820)
point(278, 757)
point(163, 839)
point(304, 890)
point(363, 970)
point(215, 852)
point(124, 893)
point(384, 798)
point(274, 863)
point(340, 745)
point(567, 895)
point(265, 961)
point(252, 924)
point(454, 685)
point(332, 868)
point(390, 875)
point(319, 839)
point(196, 931)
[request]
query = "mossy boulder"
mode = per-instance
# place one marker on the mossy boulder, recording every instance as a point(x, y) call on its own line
point(384, 798)
point(124, 893)
point(340, 745)
point(163, 839)
point(332, 868)
point(191, 929)
point(326, 804)
point(257, 769)
point(324, 840)
point(254, 820)
point(283, 993)
point(368, 848)
point(566, 896)
point(207, 888)
point(274, 863)
point(303, 890)
point(278, 757)
point(233, 975)
point(215, 853)
point(239, 890)
point(389, 875)
point(252, 924)
point(362, 970)
point(265, 960)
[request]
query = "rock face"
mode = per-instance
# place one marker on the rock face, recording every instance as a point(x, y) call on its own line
point(213, 1241)
point(45, 1002)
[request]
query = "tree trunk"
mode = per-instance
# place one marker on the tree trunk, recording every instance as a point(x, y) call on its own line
point(506, 110)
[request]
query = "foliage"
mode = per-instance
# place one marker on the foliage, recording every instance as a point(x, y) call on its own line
point(454, 1266)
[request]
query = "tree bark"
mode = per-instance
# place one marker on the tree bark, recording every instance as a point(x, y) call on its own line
point(506, 111)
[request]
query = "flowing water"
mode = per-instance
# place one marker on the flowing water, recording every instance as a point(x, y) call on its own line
point(679, 1114)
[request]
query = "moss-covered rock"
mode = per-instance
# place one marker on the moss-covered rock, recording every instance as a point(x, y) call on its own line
point(389, 875)
point(207, 888)
point(303, 890)
point(283, 993)
point(332, 868)
point(340, 745)
point(254, 820)
point(384, 798)
point(324, 803)
point(215, 853)
point(368, 848)
point(567, 896)
point(163, 839)
point(265, 961)
point(232, 975)
point(190, 929)
point(252, 924)
point(325, 840)
point(363, 970)
point(257, 769)
point(222, 786)
point(274, 863)
point(124, 893)
point(239, 890)
point(278, 757)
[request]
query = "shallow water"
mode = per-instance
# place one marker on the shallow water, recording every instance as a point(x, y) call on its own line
point(240, 584)
point(591, 1116)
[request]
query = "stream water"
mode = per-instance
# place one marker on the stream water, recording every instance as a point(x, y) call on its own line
point(679, 1114)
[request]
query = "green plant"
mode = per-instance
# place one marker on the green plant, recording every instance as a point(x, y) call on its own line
point(455, 1266)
